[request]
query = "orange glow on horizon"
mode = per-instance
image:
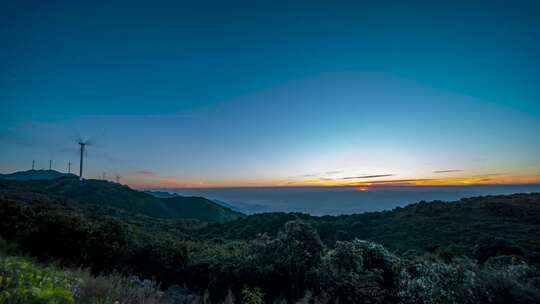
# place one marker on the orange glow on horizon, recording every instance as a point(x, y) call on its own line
point(359, 185)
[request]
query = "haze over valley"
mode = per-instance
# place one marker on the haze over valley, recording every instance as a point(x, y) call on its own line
point(343, 200)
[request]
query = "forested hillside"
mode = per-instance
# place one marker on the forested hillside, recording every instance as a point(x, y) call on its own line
point(109, 194)
point(422, 226)
point(478, 250)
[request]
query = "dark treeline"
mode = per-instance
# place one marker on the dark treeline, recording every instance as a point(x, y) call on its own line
point(421, 226)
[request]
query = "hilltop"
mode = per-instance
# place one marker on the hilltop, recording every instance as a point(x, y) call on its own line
point(114, 195)
point(35, 175)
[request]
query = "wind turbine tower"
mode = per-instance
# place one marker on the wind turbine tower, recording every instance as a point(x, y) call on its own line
point(69, 166)
point(82, 144)
point(33, 164)
point(50, 164)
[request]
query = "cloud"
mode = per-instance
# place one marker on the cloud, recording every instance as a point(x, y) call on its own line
point(318, 174)
point(332, 172)
point(448, 171)
point(367, 176)
point(145, 172)
point(488, 174)
point(394, 182)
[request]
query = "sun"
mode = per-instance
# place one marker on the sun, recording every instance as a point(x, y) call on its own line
point(362, 189)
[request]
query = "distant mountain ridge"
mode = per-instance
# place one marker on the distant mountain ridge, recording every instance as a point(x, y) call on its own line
point(105, 193)
point(166, 194)
point(161, 194)
point(35, 175)
point(225, 204)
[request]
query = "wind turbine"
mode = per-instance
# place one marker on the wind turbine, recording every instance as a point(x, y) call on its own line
point(83, 145)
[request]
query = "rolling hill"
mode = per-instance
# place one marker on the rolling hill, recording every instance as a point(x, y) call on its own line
point(105, 193)
point(422, 226)
point(35, 175)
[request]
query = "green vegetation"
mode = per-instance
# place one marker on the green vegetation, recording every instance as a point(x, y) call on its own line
point(104, 193)
point(22, 281)
point(252, 295)
point(478, 250)
point(422, 226)
point(36, 175)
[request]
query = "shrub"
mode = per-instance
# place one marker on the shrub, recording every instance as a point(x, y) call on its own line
point(428, 280)
point(252, 295)
point(180, 295)
point(3, 247)
point(23, 282)
point(301, 246)
point(491, 247)
point(115, 288)
point(297, 250)
point(357, 272)
point(157, 259)
point(229, 299)
point(450, 252)
point(515, 282)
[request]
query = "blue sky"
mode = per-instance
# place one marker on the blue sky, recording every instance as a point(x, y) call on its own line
point(273, 92)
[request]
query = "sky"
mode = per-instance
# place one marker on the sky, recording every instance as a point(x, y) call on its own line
point(273, 93)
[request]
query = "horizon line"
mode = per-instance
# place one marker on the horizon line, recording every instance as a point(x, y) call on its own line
point(338, 186)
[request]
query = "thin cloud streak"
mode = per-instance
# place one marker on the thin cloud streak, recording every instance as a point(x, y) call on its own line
point(397, 181)
point(333, 172)
point(318, 174)
point(367, 176)
point(448, 171)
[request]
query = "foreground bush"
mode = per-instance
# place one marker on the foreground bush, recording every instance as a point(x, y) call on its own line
point(293, 266)
point(429, 280)
point(357, 272)
point(252, 295)
point(116, 289)
point(22, 281)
